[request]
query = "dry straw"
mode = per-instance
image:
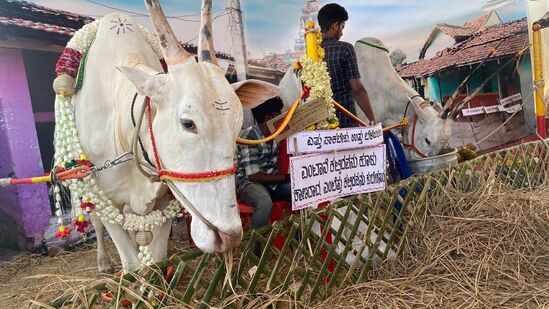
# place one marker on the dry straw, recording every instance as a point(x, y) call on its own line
point(482, 249)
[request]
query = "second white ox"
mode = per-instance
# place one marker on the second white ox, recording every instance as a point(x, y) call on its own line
point(391, 98)
point(197, 115)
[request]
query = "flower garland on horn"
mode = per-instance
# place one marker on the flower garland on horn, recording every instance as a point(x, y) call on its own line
point(313, 72)
point(86, 196)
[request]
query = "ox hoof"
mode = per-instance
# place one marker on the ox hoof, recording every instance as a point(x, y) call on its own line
point(105, 268)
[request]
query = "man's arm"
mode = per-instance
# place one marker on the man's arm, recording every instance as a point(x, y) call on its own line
point(268, 179)
point(362, 99)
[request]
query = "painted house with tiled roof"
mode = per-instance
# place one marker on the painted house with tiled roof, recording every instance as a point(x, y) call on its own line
point(438, 77)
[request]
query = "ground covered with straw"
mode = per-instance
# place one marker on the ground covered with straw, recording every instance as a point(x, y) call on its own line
point(32, 280)
point(484, 249)
point(31, 277)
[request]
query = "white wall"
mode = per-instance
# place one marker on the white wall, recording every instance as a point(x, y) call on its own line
point(493, 20)
point(440, 42)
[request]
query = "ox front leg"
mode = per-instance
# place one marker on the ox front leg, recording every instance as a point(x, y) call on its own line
point(126, 247)
point(103, 259)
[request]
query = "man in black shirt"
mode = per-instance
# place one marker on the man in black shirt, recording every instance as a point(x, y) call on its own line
point(342, 65)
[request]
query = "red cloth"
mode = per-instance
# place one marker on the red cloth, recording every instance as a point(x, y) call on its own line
point(68, 62)
point(283, 157)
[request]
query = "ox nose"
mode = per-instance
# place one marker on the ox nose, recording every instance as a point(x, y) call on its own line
point(230, 239)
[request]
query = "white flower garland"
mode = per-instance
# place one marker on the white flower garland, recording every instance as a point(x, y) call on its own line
point(68, 148)
point(83, 38)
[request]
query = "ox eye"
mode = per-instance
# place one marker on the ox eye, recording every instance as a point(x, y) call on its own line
point(188, 125)
point(428, 141)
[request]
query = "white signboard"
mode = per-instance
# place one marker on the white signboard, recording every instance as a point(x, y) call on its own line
point(492, 109)
point(510, 99)
point(513, 108)
point(321, 177)
point(331, 140)
point(473, 111)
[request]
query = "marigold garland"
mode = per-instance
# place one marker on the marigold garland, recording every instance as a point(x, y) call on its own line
point(316, 80)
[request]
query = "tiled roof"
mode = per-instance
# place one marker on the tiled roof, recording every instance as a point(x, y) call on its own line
point(16, 22)
point(193, 49)
point(37, 13)
point(510, 36)
point(275, 63)
point(29, 20)
point(458, 33)
point(455, 31)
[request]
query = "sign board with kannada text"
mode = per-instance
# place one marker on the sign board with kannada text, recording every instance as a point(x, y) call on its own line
point(332, 140)
point(491, 109)
point(321, 177)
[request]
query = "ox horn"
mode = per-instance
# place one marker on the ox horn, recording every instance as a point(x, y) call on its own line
point(172, 50)
point(206, 50)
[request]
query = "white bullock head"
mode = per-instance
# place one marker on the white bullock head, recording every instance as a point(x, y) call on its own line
point(197, 117)
point(390, 95)
point(431, 133)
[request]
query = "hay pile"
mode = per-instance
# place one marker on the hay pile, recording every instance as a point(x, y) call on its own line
point(488, 248)
point(28, 278)
point(32, 280)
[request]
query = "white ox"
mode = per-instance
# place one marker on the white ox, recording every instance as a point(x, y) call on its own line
point(197, 117)
point(389, 96)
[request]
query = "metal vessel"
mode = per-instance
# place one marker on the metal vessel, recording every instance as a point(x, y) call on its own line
point(446, 158)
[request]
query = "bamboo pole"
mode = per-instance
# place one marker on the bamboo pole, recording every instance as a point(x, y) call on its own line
point(538, 80)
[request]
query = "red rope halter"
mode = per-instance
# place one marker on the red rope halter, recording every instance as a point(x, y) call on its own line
point(178, 176)
point(412, 146)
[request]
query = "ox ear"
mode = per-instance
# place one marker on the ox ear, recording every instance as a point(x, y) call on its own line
point(418, 108)
point(146, 84)
point(437, 106)
point(254, 92)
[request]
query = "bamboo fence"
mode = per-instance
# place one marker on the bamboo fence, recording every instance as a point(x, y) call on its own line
point(326, 248)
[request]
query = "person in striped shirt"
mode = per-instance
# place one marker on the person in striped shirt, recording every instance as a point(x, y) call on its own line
point(258, 181)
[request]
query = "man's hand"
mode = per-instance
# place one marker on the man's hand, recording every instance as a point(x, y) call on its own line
point(362, 99)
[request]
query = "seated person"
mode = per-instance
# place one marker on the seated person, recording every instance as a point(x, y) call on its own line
point(258, 181)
